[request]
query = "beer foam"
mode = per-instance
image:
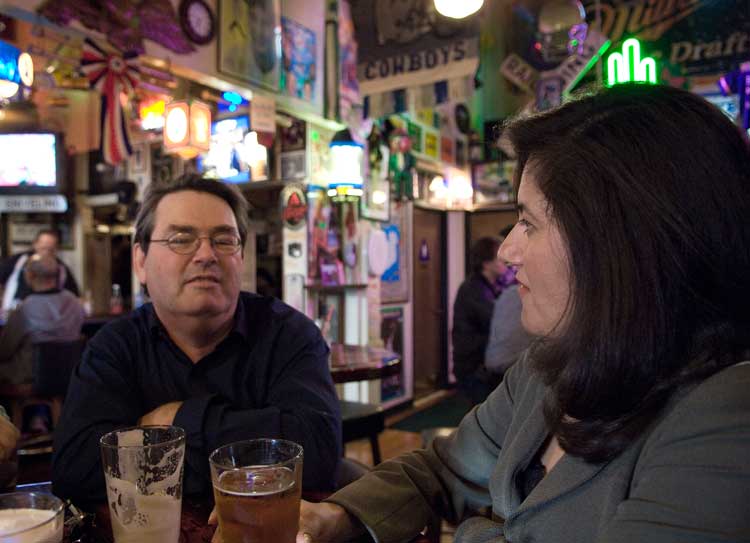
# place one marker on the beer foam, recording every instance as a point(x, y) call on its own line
point(15, 520)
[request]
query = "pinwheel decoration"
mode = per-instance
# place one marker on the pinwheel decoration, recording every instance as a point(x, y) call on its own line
point(111, 74)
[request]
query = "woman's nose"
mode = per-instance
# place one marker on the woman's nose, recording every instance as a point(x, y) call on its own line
point(510, 250)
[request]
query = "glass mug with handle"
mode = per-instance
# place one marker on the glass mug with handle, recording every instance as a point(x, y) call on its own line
point(257, 489)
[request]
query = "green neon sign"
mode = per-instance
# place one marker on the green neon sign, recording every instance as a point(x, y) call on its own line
point(629, 66)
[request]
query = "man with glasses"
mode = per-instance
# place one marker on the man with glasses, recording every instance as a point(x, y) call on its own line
point(224, 365)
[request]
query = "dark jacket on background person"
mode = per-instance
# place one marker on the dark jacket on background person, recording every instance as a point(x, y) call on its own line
point(268, 378)
point(11, 277)
point(472, 314)
point(687, 478)
point(52, 315)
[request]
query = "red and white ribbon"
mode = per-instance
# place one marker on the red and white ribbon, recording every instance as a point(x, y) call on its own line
point(111, 75)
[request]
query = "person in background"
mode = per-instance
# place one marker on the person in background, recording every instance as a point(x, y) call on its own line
point(224, 365)
point(507, 338)
point(629, 419)
point(12, 282)
point(472, 313)
point(47, 314)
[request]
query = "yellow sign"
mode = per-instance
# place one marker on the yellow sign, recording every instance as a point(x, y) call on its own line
point(431, 146)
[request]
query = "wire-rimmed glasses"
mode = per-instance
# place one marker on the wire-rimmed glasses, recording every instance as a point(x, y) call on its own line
point(187, 243)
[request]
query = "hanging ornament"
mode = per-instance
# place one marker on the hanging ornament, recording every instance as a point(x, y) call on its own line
point(111, 74)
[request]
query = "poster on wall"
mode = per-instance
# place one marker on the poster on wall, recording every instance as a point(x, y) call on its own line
point(348, 83)
point(298, 53)
point(392, 336)
point(394, 283)
point(248, 46)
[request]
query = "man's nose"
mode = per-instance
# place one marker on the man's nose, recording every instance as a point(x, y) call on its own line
point(205, 250)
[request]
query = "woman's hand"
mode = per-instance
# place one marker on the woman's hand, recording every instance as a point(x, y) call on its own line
point(318, 523)
point(326, 523)
point(9, 435)
point(214, 520)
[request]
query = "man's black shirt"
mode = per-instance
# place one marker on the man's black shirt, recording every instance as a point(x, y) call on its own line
point(268, 378)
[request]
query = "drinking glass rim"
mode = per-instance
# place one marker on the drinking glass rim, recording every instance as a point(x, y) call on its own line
point(177, 439)
point(60, 506)
point(229, 467)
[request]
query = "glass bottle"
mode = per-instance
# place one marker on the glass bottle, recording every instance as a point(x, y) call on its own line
point(116, 302)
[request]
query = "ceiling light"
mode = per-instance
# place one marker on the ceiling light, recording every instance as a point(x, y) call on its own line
point(457, 9)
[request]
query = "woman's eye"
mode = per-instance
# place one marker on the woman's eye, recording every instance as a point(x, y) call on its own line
point(525, 224)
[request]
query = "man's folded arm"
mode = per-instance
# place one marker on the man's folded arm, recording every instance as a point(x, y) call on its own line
point(100, 399)
point(301, 406)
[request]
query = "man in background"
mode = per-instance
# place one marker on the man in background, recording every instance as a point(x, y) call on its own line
point(472, 314)
point(46, 314)
point(13, 284)
point(222, 364)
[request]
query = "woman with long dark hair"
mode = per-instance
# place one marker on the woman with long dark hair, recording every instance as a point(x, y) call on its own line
point(629, 419)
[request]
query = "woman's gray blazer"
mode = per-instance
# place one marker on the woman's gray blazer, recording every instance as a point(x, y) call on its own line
point(687, 480)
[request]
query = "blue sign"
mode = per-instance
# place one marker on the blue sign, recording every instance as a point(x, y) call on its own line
point(9, 63)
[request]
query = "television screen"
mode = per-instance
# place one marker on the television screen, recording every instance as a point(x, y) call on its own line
point(28, 162)
point(234, 155)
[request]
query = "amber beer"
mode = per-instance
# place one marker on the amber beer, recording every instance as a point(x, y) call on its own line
point(257, 488)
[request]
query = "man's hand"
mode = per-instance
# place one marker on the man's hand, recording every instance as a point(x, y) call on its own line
point(161, 416)
point(9, 435)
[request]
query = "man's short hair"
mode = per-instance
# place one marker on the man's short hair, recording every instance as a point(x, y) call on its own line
point(484, 250)
point(47, 232)
point(144, 221)
point(43, 267)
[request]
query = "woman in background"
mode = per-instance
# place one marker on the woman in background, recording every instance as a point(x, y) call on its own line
point(629, 420)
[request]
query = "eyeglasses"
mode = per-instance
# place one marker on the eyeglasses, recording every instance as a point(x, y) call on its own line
point(185, 243)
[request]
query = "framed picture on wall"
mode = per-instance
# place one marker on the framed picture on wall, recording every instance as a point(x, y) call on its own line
point(376, 199)
point(394, 283)
point(493, 182)
point(392, 335)
point(248, 46)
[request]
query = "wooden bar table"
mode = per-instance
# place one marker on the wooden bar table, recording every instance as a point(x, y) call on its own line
point(362, 363)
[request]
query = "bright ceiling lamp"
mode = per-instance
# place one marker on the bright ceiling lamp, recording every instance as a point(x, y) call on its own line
point(457, 9)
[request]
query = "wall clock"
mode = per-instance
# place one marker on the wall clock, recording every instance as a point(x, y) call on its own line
point(197, 21)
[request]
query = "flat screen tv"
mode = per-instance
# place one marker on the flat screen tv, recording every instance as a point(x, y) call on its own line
point(30, 163)
point(233, 155)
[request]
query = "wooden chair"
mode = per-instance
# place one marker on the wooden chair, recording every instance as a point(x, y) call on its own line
point(360, 420)
point(52, 365)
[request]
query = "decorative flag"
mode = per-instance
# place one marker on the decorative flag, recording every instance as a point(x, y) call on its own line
point(111, 74)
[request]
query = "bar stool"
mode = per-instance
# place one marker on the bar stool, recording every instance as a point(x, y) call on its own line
point(52, 365)
point(361, 420)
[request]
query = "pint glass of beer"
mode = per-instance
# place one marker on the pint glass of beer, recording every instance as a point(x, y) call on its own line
point(257, 488)
point(143, 469)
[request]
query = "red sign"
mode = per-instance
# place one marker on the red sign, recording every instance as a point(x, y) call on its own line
point(293, 207)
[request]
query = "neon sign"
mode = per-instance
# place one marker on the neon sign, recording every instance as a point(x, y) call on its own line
point(629, 66)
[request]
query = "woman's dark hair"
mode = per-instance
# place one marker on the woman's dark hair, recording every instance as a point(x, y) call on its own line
point(483, 250)
point(144, 222)
point(650, 189)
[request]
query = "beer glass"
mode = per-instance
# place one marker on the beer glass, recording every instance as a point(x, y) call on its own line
point(143, 470)
point(257, 488)
point(31, 517)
